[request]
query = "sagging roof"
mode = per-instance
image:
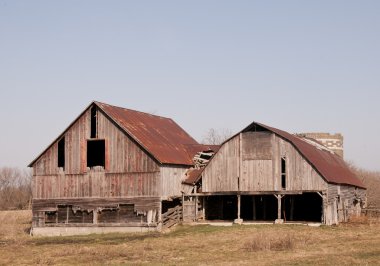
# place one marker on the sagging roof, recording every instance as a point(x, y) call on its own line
point(192, 176)
point(159, 136)
point(328, 164)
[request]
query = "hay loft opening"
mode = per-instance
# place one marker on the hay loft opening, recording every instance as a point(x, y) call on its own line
point(94, 126)
point(61, 153)
point(96, 153)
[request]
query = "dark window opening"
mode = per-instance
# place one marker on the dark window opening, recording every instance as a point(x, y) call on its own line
point(95, 153)
point(255, 128)
point(68, 214)
point(283, 172)
point(124, 213)
point(61, 153)
point(93, 122)
point(51, 217)
point(127, 214)
point(108, 215)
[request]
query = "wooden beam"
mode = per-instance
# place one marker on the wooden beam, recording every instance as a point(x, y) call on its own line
point(196, 208)
point(320, 194)
point(225, 193)
point(183, 206)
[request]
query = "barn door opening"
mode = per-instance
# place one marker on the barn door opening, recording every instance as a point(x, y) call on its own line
point(307, 207)
point(221, 207)
point(258, 208)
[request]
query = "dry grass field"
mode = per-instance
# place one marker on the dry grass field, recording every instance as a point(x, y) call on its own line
point(348, 244)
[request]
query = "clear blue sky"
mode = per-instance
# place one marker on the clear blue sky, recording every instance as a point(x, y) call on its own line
point(296, 65)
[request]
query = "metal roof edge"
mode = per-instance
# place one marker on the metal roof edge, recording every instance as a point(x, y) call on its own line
point(127, 132)
point(295, 146)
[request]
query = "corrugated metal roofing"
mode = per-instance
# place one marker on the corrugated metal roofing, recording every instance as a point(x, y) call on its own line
point(160, 136)
point(327, 164)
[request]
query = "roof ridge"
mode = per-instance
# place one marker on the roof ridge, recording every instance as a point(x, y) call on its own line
point(133, 110)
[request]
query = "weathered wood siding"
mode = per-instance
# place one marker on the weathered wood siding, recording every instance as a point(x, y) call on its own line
point(255, 159)
point(96, 183)
point(171, 178)
point(137, 211)
point(300, 175)
point(222, 172)
point(343, 202)
point(74, 151)
point(129, 170)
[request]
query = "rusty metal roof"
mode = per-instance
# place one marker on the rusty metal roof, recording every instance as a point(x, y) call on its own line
point(328, 164)
point(159, 136)
point(164, 139)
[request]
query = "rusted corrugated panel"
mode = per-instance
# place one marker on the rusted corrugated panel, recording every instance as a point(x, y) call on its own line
point(329, 165)
point(192, 176)
point(161, 137)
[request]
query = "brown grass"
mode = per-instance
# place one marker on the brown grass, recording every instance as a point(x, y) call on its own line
point(348, 244)
point(261, 241)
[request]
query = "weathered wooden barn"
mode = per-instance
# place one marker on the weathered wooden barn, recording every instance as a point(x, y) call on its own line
point(115, 169)
point(112, 169)
point(266, 174)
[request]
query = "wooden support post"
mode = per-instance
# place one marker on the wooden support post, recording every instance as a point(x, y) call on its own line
point(324, 206)
point(183, 206)
point(204, 207)
point(159, 217)
point(254, 208)
point(95, 216)
point(279, 220)
point(67, 215)
point(238, 220)
point(196, 208)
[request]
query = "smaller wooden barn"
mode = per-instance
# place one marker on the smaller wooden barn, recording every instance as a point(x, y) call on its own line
point(266, 174)
point(112, 169)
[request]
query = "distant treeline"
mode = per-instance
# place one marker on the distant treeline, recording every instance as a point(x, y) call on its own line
point(15, 188)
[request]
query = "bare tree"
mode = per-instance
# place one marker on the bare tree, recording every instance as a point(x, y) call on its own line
point(15, 188)
point(216, 136)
